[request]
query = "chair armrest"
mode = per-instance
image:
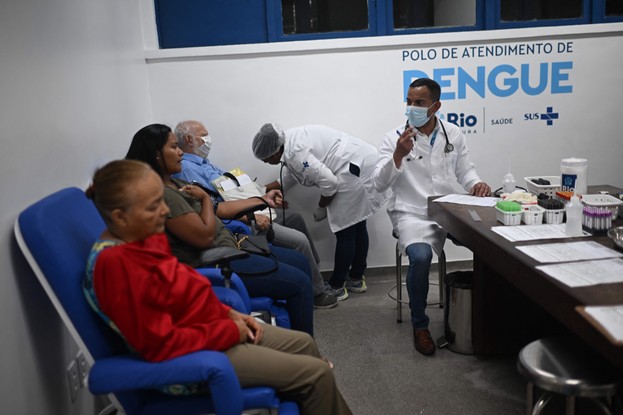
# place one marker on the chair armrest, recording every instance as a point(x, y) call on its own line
point(231, 298)
point(214, 275)
point(251, 304)
point(236, 226)
point(217, 280)
point(221, 254)
point(128, 372)
point(288, 408)
point(261, 303)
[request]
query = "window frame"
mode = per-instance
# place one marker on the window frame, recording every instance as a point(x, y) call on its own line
point(599, 13)
point(381, 23)
point(390, 31)
point(585, 19)
point(274, 19)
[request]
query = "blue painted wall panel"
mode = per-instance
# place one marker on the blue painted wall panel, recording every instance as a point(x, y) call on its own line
point(190, 23)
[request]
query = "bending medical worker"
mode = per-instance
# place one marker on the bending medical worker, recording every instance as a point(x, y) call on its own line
point(341, 166)
point(424, 157)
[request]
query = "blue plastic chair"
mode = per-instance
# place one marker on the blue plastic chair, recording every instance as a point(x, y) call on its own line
point(55, 235)
point(277, 309)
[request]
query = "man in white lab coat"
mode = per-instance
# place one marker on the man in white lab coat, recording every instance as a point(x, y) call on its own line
point(341, 166)
point(425, 157)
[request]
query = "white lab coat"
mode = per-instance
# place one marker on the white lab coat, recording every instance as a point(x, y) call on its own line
point(329, 159)
point(436, 173)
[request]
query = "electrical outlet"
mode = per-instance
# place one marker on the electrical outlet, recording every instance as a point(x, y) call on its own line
point(83, 368)
point(73, 380)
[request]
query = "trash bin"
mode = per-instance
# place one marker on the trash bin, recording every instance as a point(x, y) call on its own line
point(458, 311)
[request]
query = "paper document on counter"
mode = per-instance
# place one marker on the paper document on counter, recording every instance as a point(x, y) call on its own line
point(609, 320)
point(468, 200)
point(521, 233)
point(569, 251)
point(585, 273)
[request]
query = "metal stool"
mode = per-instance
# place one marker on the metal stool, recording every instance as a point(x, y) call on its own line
point(562, 365)
point(441, 268)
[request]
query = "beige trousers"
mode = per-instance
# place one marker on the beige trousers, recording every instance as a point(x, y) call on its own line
point(289, 362)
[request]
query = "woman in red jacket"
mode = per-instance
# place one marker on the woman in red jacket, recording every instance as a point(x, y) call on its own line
point(164, 308)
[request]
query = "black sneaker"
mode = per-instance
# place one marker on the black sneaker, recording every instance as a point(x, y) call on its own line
point(325, 300)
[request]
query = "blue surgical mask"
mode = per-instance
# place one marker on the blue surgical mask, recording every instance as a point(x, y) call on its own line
point(204, 149)
point(417, 115)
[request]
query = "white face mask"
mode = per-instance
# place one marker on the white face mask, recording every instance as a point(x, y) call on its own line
point(418, 116)
point(204, 149)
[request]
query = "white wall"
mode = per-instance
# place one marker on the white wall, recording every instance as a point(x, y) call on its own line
point(356, 85)
point(73, 89)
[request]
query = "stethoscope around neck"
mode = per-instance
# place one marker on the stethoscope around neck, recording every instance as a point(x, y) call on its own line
point(448, 148)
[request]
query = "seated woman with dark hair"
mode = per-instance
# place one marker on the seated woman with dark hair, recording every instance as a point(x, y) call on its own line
point(164, 309)
point(193, 227)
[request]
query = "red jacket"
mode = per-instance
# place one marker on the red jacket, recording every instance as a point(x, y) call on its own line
point(163, 308)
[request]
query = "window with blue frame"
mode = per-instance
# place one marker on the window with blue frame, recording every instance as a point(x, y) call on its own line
point(322, 16)
point(526, 13)
point(191, 23)
point(413, 14)
point(524, 10)
point(419, 14)
point(614, 8)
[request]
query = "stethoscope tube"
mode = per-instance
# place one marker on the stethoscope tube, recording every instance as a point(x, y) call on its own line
point(283, 194)
point(447, 148)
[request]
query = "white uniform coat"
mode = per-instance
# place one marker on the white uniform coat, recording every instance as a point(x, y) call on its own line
point(436, 173)
point(338, 164)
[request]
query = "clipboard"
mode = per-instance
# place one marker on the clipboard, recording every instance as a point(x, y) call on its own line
point(231, 180)
point(237, 185)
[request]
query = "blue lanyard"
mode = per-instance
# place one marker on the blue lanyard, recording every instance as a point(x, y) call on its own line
point(448, 147)
point(432, 139)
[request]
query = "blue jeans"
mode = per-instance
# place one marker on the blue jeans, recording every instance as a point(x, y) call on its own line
point(351, 252)
point(420, 256)
point(291, 282)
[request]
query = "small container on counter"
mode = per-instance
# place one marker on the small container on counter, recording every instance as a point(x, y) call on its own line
point(554, 210)
point(564, 196)
point(596, 220)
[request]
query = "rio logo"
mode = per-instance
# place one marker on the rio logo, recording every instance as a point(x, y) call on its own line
point(461, 120)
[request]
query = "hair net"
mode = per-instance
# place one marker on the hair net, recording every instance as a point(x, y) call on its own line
point(268, 141)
